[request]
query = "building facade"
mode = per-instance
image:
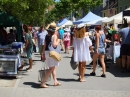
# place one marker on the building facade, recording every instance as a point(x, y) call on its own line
point(123, 4)
point(110, 8)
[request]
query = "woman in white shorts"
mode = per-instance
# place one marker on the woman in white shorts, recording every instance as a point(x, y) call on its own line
point(51, 63)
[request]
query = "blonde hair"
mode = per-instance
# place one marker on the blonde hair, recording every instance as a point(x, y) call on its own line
point(80, 33)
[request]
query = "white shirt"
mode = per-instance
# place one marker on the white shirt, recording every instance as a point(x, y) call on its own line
point(81, 49)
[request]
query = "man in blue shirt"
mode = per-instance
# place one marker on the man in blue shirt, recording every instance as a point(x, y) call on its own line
point(61, 34)
point(41, 34)
point(125, 47)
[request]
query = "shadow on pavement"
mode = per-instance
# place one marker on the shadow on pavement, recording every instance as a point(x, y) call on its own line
point(84, 74)
point(37, 60)
point(37, 54)
point(116, 71)
point(32, 84)
point(67, 80)
point(66, 57)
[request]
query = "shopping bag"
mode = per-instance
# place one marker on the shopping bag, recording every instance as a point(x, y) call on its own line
point(42, 72)
point(73, 64)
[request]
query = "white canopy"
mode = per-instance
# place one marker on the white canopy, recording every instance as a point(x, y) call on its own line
point(97, 22)
point(116, 18)
point(67, 23)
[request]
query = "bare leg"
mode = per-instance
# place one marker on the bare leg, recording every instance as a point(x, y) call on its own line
point(128, 62)
point(67, 49)
point(103, 63)
point(83, 71)
point(79, 68)
point(48, 73)
point(30, 63)
point(123, 60)
point(95, 56)
point(54, 76)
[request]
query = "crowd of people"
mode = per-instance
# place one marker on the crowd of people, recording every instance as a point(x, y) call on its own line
point(86, 47)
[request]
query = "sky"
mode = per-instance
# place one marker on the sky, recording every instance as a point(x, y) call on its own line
point(57, 0)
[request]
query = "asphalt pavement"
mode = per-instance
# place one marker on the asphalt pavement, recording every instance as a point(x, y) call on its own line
point(116, 84)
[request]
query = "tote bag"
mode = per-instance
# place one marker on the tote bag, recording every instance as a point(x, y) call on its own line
point(42, 72)
point(73, 64)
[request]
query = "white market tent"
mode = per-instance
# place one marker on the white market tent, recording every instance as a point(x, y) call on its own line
point(96, 22)
point(67, 23)
point(89, 17)
point(116, 18)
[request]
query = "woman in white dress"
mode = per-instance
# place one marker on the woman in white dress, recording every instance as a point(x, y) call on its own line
point(82, 47)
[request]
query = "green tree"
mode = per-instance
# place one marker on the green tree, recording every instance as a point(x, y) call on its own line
point(63, 8)
point(31, 12)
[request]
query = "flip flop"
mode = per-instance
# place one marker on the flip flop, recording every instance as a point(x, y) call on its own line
point(58, 84)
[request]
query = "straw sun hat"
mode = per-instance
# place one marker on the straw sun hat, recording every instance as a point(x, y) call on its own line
point(52, 27)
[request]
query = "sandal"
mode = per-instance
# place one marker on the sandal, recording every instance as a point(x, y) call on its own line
point(58, 84)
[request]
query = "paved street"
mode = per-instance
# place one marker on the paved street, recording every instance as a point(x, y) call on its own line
point(116, 84)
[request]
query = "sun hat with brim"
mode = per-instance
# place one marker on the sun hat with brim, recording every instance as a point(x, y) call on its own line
point(51, 29)
point(80, 26)
point(52, 26)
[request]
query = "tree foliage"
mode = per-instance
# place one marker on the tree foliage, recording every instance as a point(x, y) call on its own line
point(63, 8)
point(30, 12)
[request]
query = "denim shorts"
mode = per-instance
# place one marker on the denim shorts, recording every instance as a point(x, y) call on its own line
point(101, 50)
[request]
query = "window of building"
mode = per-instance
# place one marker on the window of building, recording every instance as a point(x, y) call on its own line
point(120, 9)
point(126, 6)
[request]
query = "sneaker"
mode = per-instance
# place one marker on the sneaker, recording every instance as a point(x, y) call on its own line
point(103, 75)
point(93, 74)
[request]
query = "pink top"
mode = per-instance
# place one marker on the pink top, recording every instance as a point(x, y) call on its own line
point(66, 36)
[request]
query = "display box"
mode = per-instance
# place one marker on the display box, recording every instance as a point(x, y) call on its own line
point(8, 66)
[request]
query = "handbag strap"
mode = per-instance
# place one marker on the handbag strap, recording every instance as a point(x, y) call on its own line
point(44, 66)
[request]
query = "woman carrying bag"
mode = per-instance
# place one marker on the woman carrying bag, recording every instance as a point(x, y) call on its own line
point(82, 47)
point(52, 39)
